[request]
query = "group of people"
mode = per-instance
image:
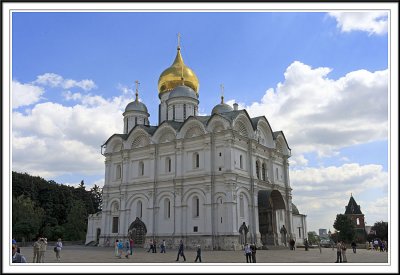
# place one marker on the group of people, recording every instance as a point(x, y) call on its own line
point(39, 249)
point(182, 254)
point(250, 253)
point(377, 245)
point(123, 247)
point(341, 252)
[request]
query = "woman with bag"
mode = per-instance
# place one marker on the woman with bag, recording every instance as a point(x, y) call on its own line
point(57, 249)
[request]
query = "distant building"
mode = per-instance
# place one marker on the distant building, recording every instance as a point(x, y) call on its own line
point(323, 232)
point(353, 210)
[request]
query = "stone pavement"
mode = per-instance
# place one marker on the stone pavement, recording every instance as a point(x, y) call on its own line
point(89, 254)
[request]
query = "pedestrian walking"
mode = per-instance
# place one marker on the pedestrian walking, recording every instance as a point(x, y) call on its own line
point(58, 248)
point(180, 252)
point(306, 244)
point(116, 248)
point(42, 249)
point(253, 252)
point(162, 247)
point(154, 246)
point(151, 246)
point(247, 253)
point(131, 243)
point(127, 248)
point(198, 257)
point(344, 248)
point(338, 253)
point(36, 246)
point(354, 246)
point(120, 248)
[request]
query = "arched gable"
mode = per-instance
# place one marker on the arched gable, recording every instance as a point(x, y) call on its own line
point(219, 195)
point(137, 138)
point(191, 127)
point(265, 132)
point(114, 144)
point(281, 144)
point(217, 123)
point(114, 205)
point(242, 124)
point(163, 195)
point(164, 133)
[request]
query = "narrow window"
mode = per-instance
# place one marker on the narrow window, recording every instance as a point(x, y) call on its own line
point(221, 219)
point(258, 170)
point(184, 111)
point(299, 232)
point(135, 120)
point(196, 160)
point(168, 164)
point(219, 169)
point(263, 171)
point(195, 229)
point(196, 206)
point(115, 225)
point(220, 154)
point(127, 125)
point(241, 161)
point(358, 221)
point(276, 170)
point(173, 112)
point(141, 168)
point(139, 209)
point(241, 206)
point(118, 172)
point(167, 208)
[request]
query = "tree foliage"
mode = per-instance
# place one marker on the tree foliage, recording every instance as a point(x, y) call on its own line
point(41, 207)
point(345, 228)
point(313, 238)
point(381, 230)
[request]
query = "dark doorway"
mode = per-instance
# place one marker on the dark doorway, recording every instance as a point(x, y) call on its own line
point(137, 231)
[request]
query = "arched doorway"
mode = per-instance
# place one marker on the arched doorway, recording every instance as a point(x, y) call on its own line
point(137, 231)
point(268, 202)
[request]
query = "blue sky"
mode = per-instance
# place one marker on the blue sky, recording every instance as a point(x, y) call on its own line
point(319, 77)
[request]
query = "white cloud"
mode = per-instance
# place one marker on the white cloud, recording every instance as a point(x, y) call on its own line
point(371, 22)
point(25, 94)
point(52, 139)
point(55, 80)
point(322, 193)
point(322, 115)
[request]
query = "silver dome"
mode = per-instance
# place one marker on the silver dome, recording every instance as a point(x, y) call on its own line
point(182, 91)
point(221, 108)
point(136, 106)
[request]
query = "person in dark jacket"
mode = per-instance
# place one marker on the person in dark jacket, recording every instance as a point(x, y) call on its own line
point(180, 252)
point(354, 246)
point(253, 252)
point(198, 257)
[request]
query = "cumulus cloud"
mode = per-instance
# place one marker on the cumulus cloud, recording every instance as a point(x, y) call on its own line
point(371, 22)
point(55, 80)
point(51, 139)
point(25, 94)
point(322, 115)
point(322, 193)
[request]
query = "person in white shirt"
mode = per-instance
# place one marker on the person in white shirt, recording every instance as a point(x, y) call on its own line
point(58, 249)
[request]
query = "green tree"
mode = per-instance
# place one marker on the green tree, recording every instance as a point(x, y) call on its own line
point(313, 238)
point(75, 228)
point(345, 228)
point(27, 218)
point(381, 230)
point(97, 197)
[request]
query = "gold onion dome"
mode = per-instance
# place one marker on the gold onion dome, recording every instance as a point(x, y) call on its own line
point(172, 76)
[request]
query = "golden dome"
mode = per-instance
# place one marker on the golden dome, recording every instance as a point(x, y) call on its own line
point(172, 76)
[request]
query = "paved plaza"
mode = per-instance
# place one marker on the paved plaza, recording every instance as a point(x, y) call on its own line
point(89, 254)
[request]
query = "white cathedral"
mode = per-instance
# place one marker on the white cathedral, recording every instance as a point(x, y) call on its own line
point(219, 180)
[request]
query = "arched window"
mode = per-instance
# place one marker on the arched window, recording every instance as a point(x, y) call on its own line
point(241, 206)
point(173, 112)
point(184, 111)
point(139, 209)
point(141, 168)
point(258, 169)
point(167, 208)
point(196, 206)
point(196, 160)
point(263, 171)
point(118, 171)
point(277, 174)
point(241, 162)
